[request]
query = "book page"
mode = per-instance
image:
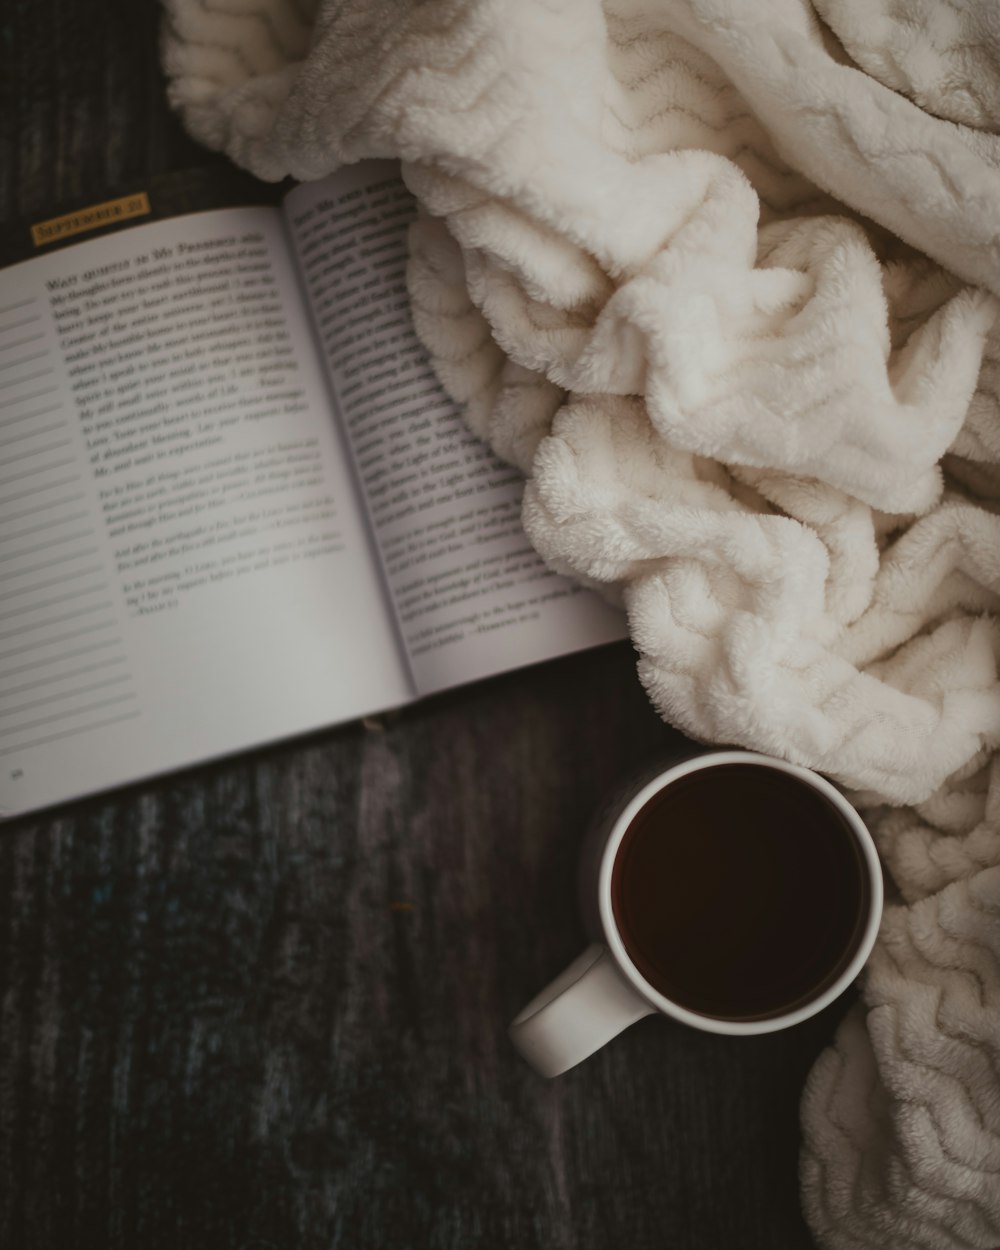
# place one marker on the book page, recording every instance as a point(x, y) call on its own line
point(184, 566)
point(472, 596)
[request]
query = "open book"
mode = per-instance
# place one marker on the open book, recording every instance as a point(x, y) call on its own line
point(235, 503)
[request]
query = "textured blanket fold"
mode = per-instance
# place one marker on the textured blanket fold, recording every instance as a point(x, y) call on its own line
point(720, 276)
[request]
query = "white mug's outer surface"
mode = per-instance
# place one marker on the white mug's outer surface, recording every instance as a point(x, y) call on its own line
point(602, 992)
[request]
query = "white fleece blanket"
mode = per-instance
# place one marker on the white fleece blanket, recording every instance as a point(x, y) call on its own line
point(720, 276)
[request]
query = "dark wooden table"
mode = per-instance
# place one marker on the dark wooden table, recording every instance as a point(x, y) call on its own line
point(262, 1005)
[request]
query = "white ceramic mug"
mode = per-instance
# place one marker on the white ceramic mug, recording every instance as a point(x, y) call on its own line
point(603, 991)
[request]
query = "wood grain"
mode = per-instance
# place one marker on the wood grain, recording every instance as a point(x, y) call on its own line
point(262, 1004)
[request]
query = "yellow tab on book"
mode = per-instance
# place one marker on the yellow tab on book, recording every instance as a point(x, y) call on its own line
point(90, 218)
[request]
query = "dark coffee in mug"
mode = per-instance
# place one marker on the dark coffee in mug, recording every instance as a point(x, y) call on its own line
point(740, 892)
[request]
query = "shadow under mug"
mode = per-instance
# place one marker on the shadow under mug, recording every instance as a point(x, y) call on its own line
point(796, 878)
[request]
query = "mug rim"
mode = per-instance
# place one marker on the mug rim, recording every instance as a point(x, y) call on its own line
point(720, 1024)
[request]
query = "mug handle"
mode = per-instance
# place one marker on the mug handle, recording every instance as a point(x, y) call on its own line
point(585, 1006)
